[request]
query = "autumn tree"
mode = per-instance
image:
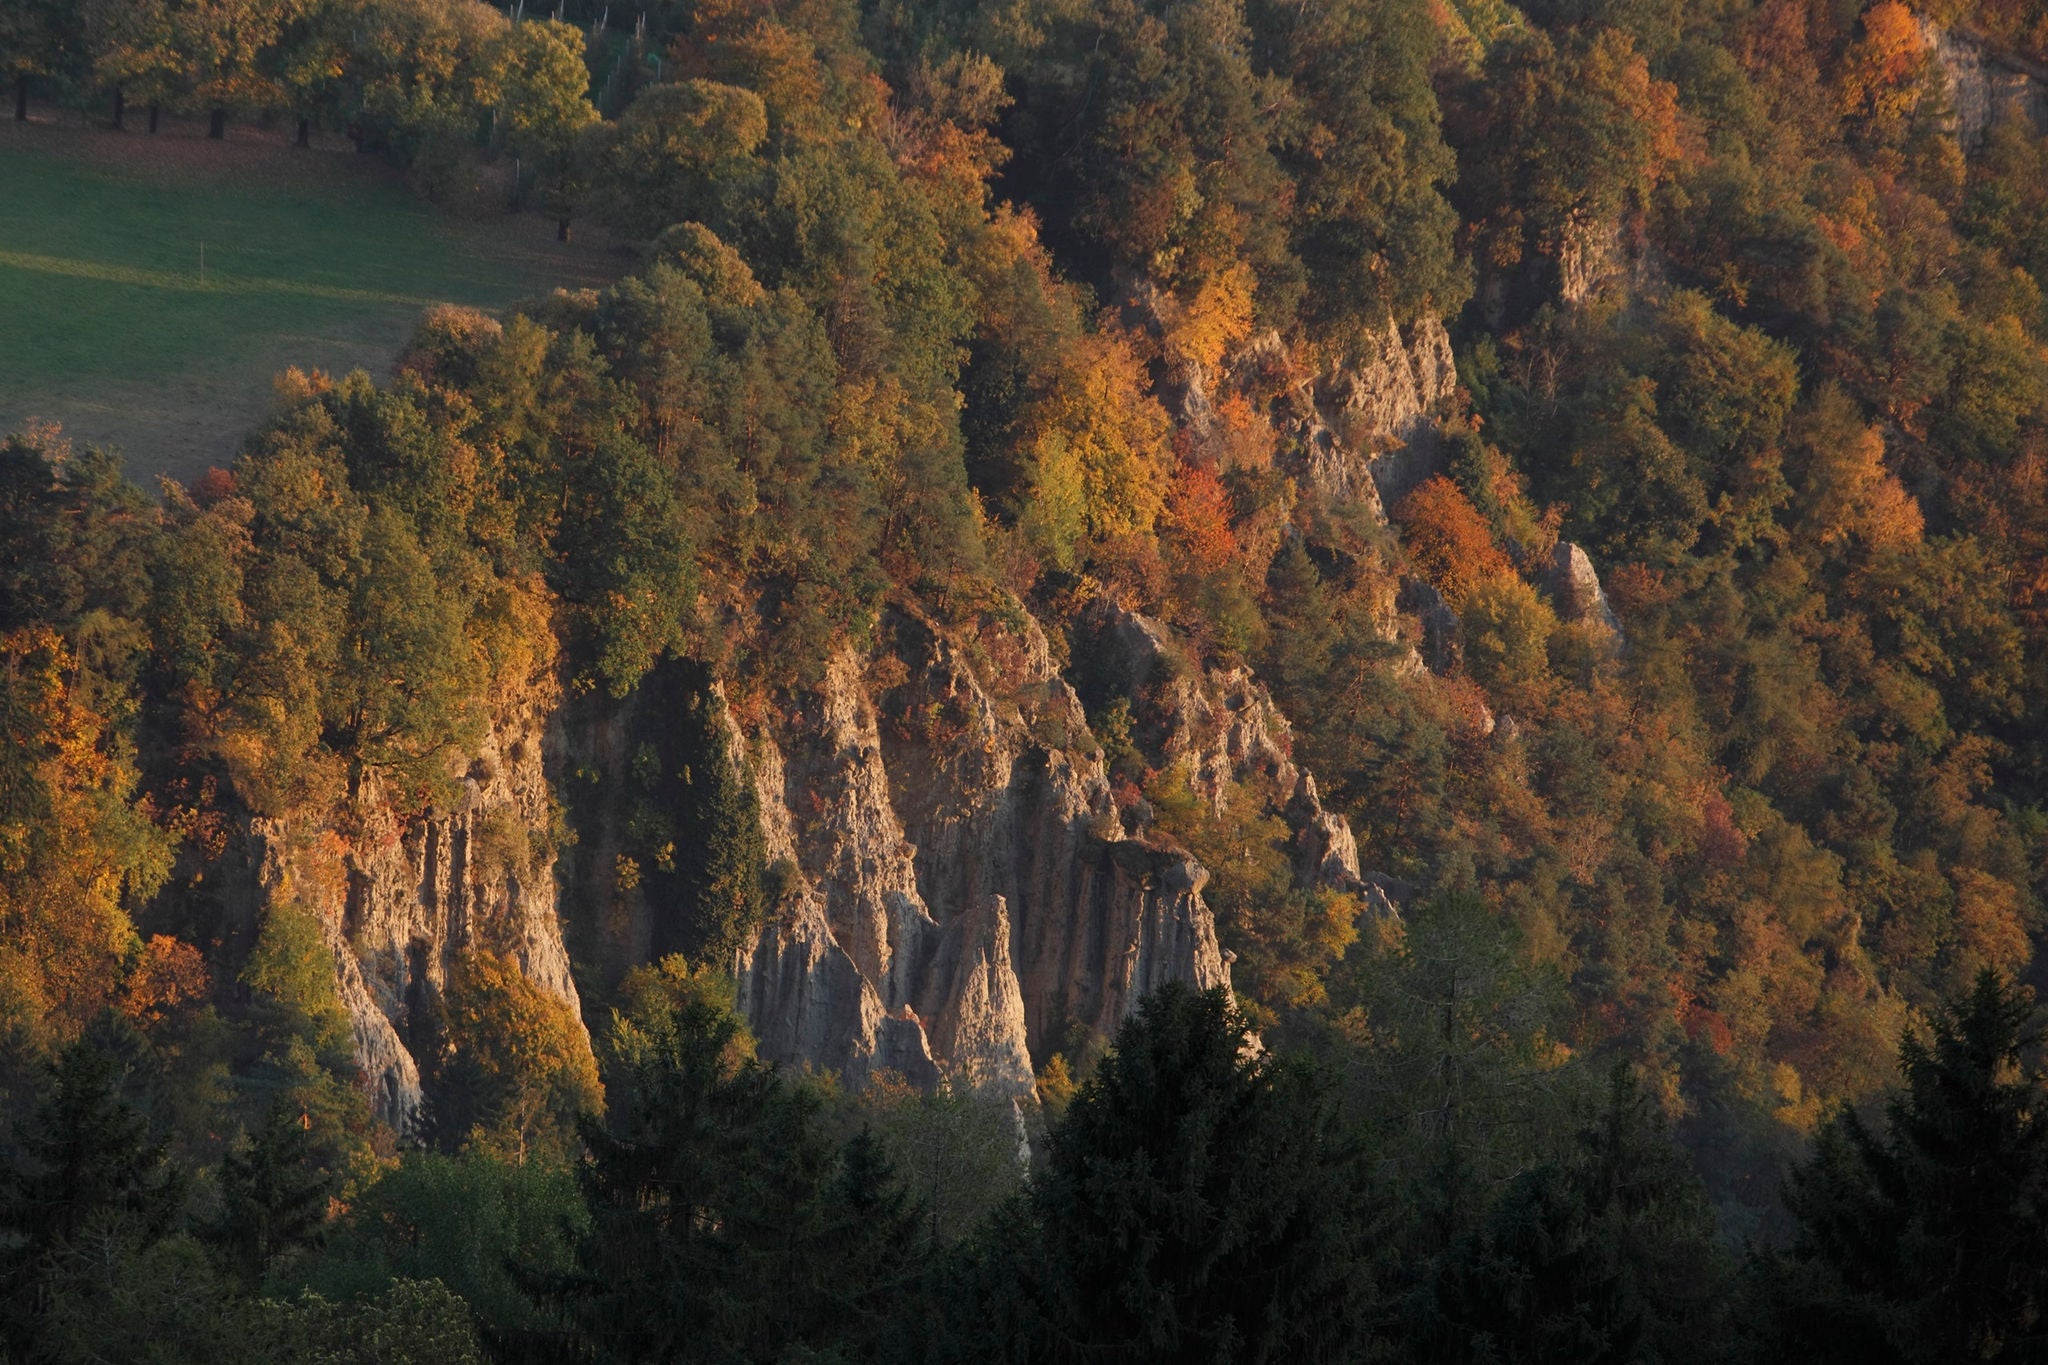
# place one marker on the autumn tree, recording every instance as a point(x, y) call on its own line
point(681, 152)
point(75, 847)
point(131, 47)
point(1359, 138)
point(228, 48)
point(31, 39)
point(515, 1074)
point(1448, 540)
point(546, 110)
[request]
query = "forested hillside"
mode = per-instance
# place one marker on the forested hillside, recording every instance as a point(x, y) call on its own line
point(1176, 679)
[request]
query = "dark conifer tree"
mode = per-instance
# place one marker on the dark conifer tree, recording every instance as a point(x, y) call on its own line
point(273, 1198)
point(1199, 1203)
point(726, 1224)
point(723, 884)
point(1609, 1255)
point(1926, 1239)
point(86, 1155)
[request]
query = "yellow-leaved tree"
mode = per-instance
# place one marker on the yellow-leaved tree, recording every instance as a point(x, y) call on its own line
point(75, 848)
point(1100, 452)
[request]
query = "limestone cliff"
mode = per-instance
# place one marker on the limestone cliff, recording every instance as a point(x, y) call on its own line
point(961, 892)
point(1365, 428)
point(955, 894)
point(1986, 87)
point(1221, 726)
point(404, 894)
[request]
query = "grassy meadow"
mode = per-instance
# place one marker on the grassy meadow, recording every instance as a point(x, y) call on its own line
point(151, 287)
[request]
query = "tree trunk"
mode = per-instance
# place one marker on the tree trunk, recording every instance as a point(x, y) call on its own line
point(120, 110)
point(562, 228)
point(153, 112)
point(218, 129)
point(21, 99)
point(305, 132)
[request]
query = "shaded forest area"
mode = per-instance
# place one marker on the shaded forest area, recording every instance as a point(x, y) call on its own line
point(1703, 1031)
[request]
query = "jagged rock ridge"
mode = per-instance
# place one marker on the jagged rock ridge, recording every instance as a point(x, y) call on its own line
point(965, 891)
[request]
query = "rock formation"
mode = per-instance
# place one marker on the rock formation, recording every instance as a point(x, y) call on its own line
point(1223, 729)
point(1576, 589)
point(955, 891)
point(407, 893)
point(1365, 433)
point(1986, 87)
point(963, 892)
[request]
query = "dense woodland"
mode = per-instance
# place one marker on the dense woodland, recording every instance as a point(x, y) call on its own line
point(1704, 1032)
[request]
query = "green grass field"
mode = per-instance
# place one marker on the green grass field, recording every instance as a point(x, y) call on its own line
point(310, 258)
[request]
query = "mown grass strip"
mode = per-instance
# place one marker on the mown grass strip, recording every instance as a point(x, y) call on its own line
point(191, 282)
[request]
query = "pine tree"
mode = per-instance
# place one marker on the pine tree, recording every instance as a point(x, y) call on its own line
point(273, 1198)
point(1198, 1203)
point(724, 883)
point(725, 1223)
point(86, 1156)
point(1608, 1255)
point(1927, 1239)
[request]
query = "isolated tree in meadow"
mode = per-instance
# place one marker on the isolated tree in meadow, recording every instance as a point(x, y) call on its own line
point(565, 175)
point(543, 86)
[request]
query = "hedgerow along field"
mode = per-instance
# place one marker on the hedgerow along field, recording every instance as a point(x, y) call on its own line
point(152, 286)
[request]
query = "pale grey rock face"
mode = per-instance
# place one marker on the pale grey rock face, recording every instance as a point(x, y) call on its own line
point(1576, 589)
point(409, 893)
point(1589, 259)
point(957, 891)
point(964, 892)
point(1985, 88)
point(1384, 401)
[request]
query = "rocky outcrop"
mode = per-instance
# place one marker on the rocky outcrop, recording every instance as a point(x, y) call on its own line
point(1590, 258)
point(1575, 588)
point(406, 894)
point(1221, 727)
point(1442, 632)
point(1368, 434)
point(955, 892)
point(1396, 382)
point(1986, 87)
point(960, 891)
